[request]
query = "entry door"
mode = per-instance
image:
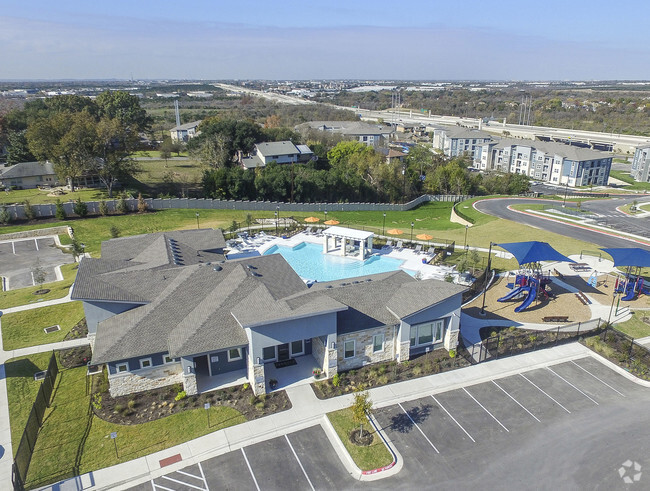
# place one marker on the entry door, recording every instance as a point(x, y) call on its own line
point(283, 352)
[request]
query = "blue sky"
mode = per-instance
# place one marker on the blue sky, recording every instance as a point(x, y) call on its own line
point(378, 39)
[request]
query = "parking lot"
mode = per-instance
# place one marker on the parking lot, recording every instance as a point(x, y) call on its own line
point(569, 426)
point(18, 257)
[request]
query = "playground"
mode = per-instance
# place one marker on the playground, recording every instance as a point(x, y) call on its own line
point(551, 289)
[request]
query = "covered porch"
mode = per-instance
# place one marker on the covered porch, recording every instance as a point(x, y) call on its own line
point(356, 244)
point(207, 383)
point(290, 376)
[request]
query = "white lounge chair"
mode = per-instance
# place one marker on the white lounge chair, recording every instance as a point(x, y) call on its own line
point(431, 251)
point(418, 249)
point(308, 230)
point(399, 245)
point(389, 244)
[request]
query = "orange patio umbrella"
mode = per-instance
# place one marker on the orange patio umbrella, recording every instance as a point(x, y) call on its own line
point(331, 222)
point(395, 231)
point(426, 237)
point(312, 219)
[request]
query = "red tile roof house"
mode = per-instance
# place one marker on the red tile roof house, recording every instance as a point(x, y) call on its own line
point(168, 308)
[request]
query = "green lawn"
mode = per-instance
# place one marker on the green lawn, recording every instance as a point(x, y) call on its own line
point(36, 196)
point(153, 171)
point(633, 185)
point(25, 328)
point(155, 153)
point(635, 327)
point(22, 389)
point(367, 458)
point(61, 446)
point(58, 289)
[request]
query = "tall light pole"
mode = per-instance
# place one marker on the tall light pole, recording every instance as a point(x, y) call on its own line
point(566, 191)
point(412, 225)
point(487, 270)
point(197, 220)
point(383, 226)
point(276, 222)
point(325, 215)
point(465, 246)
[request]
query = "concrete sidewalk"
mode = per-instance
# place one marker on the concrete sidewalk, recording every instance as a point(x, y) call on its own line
point(307, 411)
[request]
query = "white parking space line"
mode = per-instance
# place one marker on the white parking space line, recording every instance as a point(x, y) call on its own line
point(158, 486)
point(182, 482)
point(299, 463)
point(520, 405)
point(33, 280)
point(205, 481)
point(560, 376)
point(250, 469)
point(13, 247)
point(36, 243)
point(542, 391)
point(416, 425)
point(486, 410)
point(601, 381)
point(190, 475)
point(454, 419)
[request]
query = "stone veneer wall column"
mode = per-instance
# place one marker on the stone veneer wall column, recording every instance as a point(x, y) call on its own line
point(451, 339)
point(91, 340)
point(318, 352)
point(259, 382)
point(154, 378)
point(404, 351)
point(332, 362)
point(189, 384)
point(363, 348)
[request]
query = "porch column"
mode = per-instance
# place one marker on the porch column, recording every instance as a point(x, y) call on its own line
point(362, 246)
point(326, 244)
point(189, 377)
point(256, 375)
point(344, 246)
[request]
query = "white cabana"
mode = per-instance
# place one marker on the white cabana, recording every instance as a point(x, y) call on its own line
point(347, 242)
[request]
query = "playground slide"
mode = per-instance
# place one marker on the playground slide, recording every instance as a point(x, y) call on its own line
point(630, 295)
point(532, 295)
point(514, 293)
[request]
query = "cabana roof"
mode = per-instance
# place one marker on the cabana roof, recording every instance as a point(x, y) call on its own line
point(348, 233)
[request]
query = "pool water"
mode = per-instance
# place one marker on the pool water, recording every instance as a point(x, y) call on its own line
point(310, 263)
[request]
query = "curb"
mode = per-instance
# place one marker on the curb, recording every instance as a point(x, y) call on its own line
point(346, 459)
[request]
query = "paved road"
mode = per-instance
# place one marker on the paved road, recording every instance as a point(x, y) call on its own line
point(499, 208)
point(608, 216)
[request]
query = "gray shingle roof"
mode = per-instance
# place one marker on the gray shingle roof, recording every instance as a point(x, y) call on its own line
point(186, 126)
point(413, 297)
point(460, 132)
point(268, 149)
point(28, 169)
point(570, 152)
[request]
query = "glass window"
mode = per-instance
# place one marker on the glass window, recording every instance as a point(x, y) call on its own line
point(414, 334)
point(168, 359)
point(122, 367)
point(348, 349)
point(425, 333)
point(377, 343)
point(296, 347)
point(268, 353)
point(145, 363)
point(234, 354)
point(438, 331)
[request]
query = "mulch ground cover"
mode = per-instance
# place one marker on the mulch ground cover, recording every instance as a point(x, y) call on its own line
point(380, 374)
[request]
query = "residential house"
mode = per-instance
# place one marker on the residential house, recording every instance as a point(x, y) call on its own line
point(185, 132)
point(165, 308)
point(372, 135)
point(551, 162)
point(640, 170)
point(283, 152)
point(29, 175)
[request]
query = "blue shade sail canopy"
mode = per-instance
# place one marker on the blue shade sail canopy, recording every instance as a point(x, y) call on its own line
point(533, 252)
point(629, 256)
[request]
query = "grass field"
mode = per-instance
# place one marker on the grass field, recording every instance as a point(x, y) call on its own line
point(25, 328)
point(58, 289)
point(636, 327)
point(154, 171)
point(37, 197)
point(63, 434)
point(633, 185)
point(373, 456)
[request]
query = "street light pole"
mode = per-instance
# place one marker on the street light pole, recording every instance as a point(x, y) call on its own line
point(276, 222)
point(465, 246)
point(412, 225)
point(197, 220)
point(566, 191)
point(383, 226)
point(487, 270)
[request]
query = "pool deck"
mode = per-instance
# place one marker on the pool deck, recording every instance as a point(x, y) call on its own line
point(413, 261)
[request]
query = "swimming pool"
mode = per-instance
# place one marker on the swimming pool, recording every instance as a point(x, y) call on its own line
point(310, 263)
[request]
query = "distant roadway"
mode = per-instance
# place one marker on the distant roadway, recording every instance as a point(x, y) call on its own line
point(498, 207)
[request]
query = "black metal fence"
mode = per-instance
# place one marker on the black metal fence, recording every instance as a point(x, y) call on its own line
point(34, 422)
point(630, 355)
point(513, 341)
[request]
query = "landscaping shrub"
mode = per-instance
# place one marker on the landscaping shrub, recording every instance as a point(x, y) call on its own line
point(60, 213)
point(5, 217)
point(30, 213)
point(80, 208)
point(103, 208)
point(115, 232)
point(181, 395)
point(122, 206)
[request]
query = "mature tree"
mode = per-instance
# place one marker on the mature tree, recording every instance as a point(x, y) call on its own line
point(38, 273)
point(166, 148)
point(17, 148)
point(114, 146)
point(125, 108)
point(221, 139)
point(69, 141)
